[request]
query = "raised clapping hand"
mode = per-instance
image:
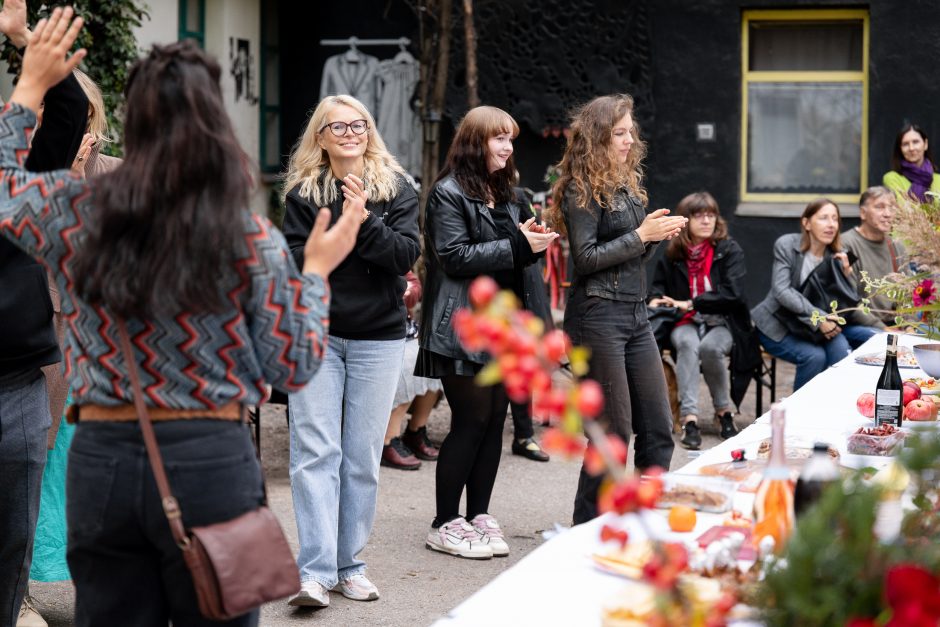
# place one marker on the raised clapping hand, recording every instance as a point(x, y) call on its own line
point(539, 236)
point(81, 158)
point(659, 226)
point(355, 197)
point(844, 261)
point(13, 22)
point(326, 248)
point(45, 62)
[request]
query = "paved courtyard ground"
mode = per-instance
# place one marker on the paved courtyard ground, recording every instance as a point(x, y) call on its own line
point(419, 586)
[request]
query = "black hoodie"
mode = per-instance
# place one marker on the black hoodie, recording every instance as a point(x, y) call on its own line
point(366, 288)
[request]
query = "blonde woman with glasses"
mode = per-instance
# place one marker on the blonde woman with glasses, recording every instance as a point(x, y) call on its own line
point(338, 420)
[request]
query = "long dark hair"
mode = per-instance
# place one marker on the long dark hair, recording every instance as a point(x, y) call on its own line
point(466, 158)
point(695, 203)
point(165, 225)
point(897, 157)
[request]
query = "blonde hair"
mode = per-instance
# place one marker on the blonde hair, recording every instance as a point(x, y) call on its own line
point(309, 164)
point(587, 165)
point(97, 115)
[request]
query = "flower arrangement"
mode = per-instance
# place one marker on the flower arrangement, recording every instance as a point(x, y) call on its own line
point(527, 360)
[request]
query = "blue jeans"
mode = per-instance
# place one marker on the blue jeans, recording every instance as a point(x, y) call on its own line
point(337, 429)
point(811, 359)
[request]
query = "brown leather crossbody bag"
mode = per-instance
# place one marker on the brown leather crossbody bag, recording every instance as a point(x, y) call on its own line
point(236, 565)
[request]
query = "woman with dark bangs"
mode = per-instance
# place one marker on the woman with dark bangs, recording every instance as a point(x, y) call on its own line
point(702, 275)
point(472, 228)
point(601, 203)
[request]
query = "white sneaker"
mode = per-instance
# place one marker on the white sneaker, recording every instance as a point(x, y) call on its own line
point(459, 538)
point(357, 588)
point(492, 535)
point(29, 616)
point(311, 594)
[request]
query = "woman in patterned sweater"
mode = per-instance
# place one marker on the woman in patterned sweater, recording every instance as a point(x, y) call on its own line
point(214, 306)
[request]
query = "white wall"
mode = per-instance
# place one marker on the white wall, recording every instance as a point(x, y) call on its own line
point(163, 25)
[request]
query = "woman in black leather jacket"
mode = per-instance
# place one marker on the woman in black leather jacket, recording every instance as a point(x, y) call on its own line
point(473, 227)
point(602, 207)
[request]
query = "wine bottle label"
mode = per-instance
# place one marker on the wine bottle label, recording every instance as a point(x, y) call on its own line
point(887, 397)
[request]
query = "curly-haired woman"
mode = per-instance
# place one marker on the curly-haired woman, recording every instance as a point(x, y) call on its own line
point(602, 204)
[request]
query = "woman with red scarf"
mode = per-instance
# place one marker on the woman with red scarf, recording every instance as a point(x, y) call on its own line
point(702, 275)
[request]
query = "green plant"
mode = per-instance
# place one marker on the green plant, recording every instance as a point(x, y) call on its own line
point(112, 49)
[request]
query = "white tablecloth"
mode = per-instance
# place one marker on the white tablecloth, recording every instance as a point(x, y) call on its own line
point(558, 584)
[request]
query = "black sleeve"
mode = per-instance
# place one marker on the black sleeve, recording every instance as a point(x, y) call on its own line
point(589, 255)
point(729, 293)
point(64, 120)
point(392, 243)
point(658, 287)
point(447, 234)
point(299, 217)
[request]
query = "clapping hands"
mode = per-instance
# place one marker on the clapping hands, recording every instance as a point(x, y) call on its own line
point(539, 236)
point(45, 62)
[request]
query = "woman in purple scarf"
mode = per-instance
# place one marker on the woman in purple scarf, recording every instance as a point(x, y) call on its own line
point(913, 174)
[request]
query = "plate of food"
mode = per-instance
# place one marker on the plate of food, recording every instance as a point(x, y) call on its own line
point(928, 385)
point(906, 358)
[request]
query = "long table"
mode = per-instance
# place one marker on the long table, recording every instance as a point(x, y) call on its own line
point(558, 583)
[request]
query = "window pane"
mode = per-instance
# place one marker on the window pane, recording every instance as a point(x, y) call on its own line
point(804, 138)
point(193, 23)
point(804, 46)
point(272, 140)
point(272, 86)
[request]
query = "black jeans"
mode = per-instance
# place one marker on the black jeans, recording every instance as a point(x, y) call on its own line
point(126, 568)
point(625, 361)
point(522, 428)
point(469, 455)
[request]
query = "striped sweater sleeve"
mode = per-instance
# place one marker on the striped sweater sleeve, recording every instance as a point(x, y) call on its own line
point(288, 312)
point(39, 211)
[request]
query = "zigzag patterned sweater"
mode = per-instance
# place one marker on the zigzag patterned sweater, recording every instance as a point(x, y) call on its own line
point(274, 332)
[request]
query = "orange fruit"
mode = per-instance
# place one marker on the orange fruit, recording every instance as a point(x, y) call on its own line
point(681, 518)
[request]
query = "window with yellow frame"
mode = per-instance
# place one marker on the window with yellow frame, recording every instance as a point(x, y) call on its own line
point(804, 127)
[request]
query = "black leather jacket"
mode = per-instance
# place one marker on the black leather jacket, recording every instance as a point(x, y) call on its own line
point(609, 258)
point(461, 243)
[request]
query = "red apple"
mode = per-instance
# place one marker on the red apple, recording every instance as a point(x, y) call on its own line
point(919, 410)
point(866, 405)
point(911, 392)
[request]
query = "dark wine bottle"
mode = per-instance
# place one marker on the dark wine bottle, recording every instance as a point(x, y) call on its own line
point(889, 391)
point(818, 473)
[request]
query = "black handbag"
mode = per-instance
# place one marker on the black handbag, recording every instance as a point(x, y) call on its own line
point(825, 284)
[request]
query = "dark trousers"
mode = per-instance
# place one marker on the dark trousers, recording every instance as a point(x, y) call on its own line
point(522, 428)
point(625, 361)
point(469, 455)
point(24, 423)
point(126, 568)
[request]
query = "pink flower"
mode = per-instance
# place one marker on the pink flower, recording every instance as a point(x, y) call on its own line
point(924, 293)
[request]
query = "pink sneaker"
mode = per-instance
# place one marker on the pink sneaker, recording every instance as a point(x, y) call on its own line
point(459, 538)
point(492, 535)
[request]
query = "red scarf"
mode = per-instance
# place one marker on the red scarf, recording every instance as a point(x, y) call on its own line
point(698, 260)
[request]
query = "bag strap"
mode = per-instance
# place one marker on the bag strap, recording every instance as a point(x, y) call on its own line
point(894, 255)
point(170, 506)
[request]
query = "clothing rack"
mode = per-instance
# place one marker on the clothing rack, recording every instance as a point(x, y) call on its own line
point(355, 42)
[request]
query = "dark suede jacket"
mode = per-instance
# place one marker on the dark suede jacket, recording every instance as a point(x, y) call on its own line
point(462, 243)
point(609, 258)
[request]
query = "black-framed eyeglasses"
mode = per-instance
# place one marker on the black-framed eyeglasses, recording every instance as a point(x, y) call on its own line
point(339, 128)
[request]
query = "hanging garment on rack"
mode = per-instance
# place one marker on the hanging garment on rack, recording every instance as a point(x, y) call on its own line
point(351, 73)
point(398, 123)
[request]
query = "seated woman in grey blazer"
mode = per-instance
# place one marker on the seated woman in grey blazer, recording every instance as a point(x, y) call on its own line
point(795, 256)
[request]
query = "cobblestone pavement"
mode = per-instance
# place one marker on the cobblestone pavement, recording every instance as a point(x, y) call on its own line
point(417, 585)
